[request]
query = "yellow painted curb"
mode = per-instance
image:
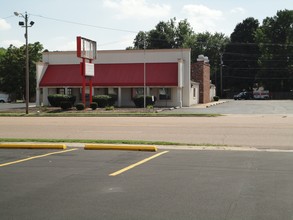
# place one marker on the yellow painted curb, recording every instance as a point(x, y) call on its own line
point(32, 146)
point(120, 147)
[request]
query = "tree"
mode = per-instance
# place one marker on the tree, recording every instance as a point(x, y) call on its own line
point(240, 58)
point(210, 45)
point(168, 34)
point(275, 39)
point(12, 73)
point(2, 53)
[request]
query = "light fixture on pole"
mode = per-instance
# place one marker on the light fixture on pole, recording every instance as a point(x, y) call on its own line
point(25, 25)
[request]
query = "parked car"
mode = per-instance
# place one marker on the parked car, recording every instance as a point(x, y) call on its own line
point(4, 98)
point(261, 94)
point(243, 95)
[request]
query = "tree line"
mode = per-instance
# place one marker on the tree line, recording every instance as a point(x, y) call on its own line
point(254, 55)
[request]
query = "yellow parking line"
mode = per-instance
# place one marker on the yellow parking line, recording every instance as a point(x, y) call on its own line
point(35, 157)
point(137, 164)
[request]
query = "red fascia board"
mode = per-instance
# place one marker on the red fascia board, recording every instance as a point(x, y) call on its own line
point(157, 74)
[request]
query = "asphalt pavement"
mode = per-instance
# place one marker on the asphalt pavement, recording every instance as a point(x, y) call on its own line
point(238, 107)
point(249, 181)
point(175, 185)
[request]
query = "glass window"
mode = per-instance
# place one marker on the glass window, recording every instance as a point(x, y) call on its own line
point(61, 91)
point(69, 91)
point(137, 91)
point(112, 91)
point(165, 94)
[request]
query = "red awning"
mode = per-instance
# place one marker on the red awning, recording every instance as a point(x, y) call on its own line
point(157, 74)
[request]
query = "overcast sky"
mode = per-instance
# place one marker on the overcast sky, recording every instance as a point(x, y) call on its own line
point(113, 24)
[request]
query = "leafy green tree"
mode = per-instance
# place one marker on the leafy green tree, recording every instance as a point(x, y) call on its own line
point(240, 58)
point(210, 45)
point(275, 39)
point(12, 73)
point(168, 34)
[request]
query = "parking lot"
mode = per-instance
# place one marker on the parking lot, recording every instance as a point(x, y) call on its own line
point(252, 181)
point(168, 184)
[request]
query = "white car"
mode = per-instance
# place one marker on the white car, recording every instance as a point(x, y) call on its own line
point(4, 98)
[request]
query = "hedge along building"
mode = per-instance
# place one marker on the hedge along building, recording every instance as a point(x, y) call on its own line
point(163, 73)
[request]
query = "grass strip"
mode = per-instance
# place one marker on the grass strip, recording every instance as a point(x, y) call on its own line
point(40, 140)
point(107, 115)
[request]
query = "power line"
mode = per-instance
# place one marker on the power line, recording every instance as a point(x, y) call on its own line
point(256, 68)
point(258, 78)
point(83, 24)
point(8, 17)
point(260, 44)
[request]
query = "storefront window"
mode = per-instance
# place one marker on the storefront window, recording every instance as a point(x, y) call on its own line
point(112, 91)
point(165, 94)
point(61, 91)
point(137, 91)
point(69, 91)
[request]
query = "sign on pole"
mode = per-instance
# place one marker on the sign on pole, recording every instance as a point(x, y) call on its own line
point(87, 50)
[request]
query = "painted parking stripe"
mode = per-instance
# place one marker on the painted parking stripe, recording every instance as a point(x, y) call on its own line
point(35, 157)
point(137, 164)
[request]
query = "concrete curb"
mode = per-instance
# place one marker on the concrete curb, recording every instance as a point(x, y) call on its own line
point(120, 147)
point(32, 146)
point(215, 103)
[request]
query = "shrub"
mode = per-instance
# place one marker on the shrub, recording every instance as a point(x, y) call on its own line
point(216, 98)
point(94, 105)
point(109, 108)
point(65, 105)
point(56, 99)
point(139, 101)
point(150, 107)
point(112, 100)
point(80, 106)
point(105, 100)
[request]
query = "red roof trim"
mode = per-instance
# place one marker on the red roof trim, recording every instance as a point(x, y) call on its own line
point(157, 74)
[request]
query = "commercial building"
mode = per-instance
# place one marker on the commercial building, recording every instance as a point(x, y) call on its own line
point(164, 73)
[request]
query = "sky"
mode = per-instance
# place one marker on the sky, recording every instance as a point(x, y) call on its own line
point(113, 24)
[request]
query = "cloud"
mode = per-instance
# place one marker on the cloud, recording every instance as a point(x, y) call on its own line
point(4, 25)
point(137, 9)
point(7, 43)
point(123, 42)
point(238, 10)
point(68, 46)
point(203, 18)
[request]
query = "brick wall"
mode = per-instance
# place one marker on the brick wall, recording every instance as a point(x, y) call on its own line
point(200, 72)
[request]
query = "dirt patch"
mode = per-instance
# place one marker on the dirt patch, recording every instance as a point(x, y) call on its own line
point(40, 110)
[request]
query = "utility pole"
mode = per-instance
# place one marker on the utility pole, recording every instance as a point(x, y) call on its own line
point(144, 71)
point(25, 25)
point(221, 75)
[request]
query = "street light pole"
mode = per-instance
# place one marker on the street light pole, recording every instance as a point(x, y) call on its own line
point(221, 76)
point(25, 25)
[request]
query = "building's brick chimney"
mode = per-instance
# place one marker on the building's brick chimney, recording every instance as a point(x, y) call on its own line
point(200, 72)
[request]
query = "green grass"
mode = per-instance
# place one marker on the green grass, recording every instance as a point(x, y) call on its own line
point(104, 141)
point(85, 114)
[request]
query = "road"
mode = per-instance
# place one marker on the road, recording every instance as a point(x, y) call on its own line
point(261, 131)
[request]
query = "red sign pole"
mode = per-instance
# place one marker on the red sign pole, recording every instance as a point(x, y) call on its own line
point(91, 88)
point(83, 81)
point(86, 49)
